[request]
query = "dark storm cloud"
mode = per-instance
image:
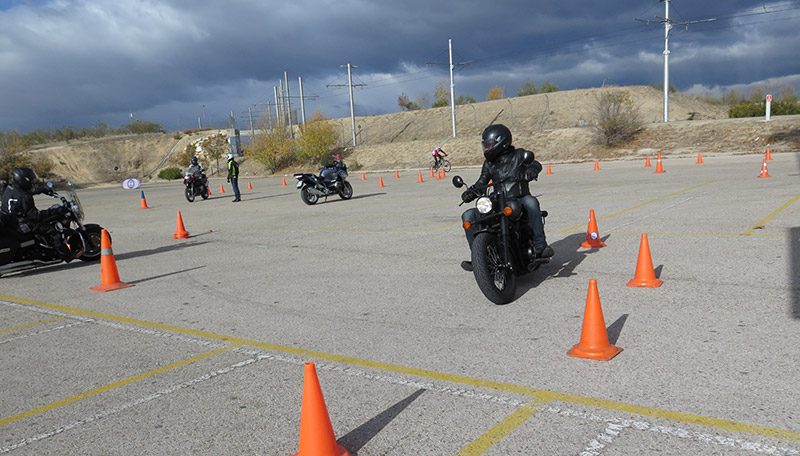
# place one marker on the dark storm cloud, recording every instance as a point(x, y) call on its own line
point(77, 62)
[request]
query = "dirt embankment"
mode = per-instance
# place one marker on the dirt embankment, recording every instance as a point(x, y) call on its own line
point(557, 126)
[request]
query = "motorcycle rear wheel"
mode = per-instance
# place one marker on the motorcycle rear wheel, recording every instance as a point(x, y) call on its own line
point(204, 194)
point(308, 197)
point(498, 284)
point(347, 191)
point(190, 194)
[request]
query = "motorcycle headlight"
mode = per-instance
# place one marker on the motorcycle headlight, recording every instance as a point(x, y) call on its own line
point(484, 205)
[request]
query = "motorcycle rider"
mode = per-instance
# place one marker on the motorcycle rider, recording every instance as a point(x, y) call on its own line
point(503, 162)
point(196, 169)
point(24, 218)
point(438, 154)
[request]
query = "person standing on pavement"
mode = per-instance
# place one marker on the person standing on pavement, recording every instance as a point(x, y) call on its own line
point(233, 177)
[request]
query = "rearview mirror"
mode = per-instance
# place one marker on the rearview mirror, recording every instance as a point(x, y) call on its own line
point(527, 157)
point(458, 181)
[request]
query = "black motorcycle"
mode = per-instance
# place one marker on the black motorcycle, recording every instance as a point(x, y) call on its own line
point(195, 185)
point(61, 224)
point(503, 245)
point(332, 180)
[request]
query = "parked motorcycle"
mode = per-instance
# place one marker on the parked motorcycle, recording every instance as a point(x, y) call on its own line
point(503, 245)
point(195, 185)
point(331, 180)
point(62, 221)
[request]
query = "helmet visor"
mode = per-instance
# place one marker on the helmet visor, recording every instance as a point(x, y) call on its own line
point(488, 144)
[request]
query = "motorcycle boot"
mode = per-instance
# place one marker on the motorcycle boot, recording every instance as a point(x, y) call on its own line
point(543, 251)
point(467, 266)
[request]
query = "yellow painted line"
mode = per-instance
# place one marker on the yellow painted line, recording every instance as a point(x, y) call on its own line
point(28, 325)
point(500, 431)
point(539, 395)
point(770, 216)
point(110, 386)
point(636, 207)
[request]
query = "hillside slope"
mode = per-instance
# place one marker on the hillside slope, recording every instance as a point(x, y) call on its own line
point(557, 126)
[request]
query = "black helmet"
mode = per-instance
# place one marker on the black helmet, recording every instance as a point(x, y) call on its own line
point(194, 160)
point(496, 141)
point(23, 178)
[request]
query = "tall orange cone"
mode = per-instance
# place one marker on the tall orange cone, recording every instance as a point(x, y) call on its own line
point(432, 173)
point(597, 165)
point(144, 202)
point(594, 337)
point(420, 177)
point(659, 167)
point(645, 274)
point(549, 171)
point(396, 174)
point(249, 185)
point(284, 182)
point(592, 234)
point(647, 162)
point(769, 156)
point(316, 432)
point(221, 188)
point(363, 177)
point(699, 158)
point(209, 191)
point(109, 276)
point(443, 174)
point(180, 231)
point(439, 174)
point(764, 172)
point(380, 181)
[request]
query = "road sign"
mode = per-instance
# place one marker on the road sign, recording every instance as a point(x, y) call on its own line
point(769, 97)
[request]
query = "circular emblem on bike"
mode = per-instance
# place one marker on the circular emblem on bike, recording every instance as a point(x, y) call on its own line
point(594, 235)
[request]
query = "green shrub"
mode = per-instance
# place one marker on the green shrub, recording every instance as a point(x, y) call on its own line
point(170, 173)
point(777, 108)
point(618, 119)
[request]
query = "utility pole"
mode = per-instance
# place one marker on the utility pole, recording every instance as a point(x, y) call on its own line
point(302, 101)
point(252, 130)
point(352, 105)
point(452, 83)
point(288, 104)
point(667, 27)
point(277, 110)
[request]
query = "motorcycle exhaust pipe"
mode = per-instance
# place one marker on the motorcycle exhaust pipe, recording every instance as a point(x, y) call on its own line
point(315, 191)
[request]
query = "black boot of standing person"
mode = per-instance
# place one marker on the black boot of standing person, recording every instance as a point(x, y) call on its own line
point(233, 178)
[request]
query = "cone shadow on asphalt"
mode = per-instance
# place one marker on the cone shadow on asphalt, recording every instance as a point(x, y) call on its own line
point(360, 436)
point(568, 255)
point(134, 282)
point(158, 250)
point(615, 329)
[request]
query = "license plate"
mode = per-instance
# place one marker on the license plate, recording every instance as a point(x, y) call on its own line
point(299, 184)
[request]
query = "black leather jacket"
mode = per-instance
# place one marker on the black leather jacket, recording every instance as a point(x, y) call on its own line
point(510, 165)
point(19, 205)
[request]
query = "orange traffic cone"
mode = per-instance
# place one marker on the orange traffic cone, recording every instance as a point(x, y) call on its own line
point(699, 158)
point(144, 202)
point(769, 156)
point(109, 276)
point(316, 432)
point(647, 162)
point(363, 177)
point(209, 191)
point(592, 234)
point(659, 167)
point(284, 182)
point(645, 274)
point(548, 169)
point(420, 177)
point(432, 173)
point(596, 165)
point(380, 181)
point(764, 172)
point(396, 174)
point(221, 189)
point(439, 174)
point(594, 337)
point(249, 185)
point(443, 174)
point(180, 231)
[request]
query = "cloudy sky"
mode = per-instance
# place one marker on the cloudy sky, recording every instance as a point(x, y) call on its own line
point(77, 62)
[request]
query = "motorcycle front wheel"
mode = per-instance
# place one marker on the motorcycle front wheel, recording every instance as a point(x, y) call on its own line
point(498, 283)
point(190, 194)
point(92, 237)
point(347, 191)
point(308, 197)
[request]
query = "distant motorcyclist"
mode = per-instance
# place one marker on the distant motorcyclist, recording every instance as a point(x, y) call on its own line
point(505, 163)
point(196, 169)
point(25, 218)
point(438, 154)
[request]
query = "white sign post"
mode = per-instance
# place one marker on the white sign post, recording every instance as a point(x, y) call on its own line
point(769, 104)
